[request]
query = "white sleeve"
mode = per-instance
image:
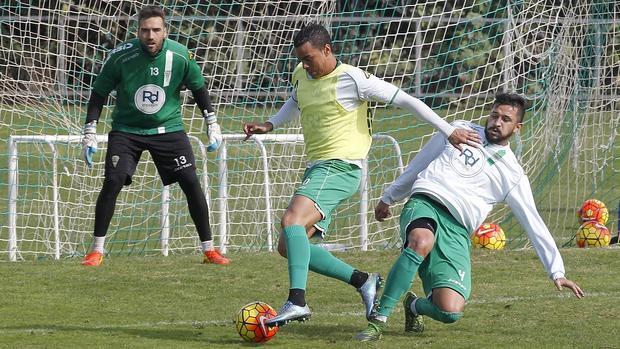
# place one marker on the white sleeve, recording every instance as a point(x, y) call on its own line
point(289, 112)
point(403, 185)
point(521, 202)
point(370, 88)
point(417, 107)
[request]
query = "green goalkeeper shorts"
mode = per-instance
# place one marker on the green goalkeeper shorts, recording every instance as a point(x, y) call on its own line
point(449, 263)
point(328, 184)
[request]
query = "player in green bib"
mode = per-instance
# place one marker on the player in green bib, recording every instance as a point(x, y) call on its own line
point(148, 74)
point(331, 98)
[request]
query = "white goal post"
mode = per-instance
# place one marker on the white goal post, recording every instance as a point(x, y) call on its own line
point(55, 241)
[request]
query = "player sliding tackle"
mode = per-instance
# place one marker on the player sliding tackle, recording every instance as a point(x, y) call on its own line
point(331, 100)
point(450, 194)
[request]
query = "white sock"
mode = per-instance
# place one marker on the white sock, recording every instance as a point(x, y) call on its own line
point(98, 242)
point(207, 245)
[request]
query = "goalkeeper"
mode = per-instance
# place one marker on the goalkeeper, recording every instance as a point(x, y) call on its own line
point(331, 100)
point(148, 74)
point(450, 195)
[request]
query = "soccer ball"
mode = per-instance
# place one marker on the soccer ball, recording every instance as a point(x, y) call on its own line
point(593, 234)
point(489, 235)
point(593, 210)
point(250, 322)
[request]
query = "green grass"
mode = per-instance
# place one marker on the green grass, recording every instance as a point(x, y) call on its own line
point(176, 302)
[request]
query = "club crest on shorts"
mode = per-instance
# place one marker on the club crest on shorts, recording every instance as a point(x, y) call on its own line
point(115, 159)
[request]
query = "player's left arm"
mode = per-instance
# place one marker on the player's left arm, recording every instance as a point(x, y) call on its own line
point(194, 80)
point(203, 100)
point(521, 201)
point(561, 283)
point(371, 88)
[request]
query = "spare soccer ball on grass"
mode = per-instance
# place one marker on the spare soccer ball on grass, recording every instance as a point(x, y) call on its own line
point(250, 322)
point(593, 234)
point(593, 210)
point(490, 236)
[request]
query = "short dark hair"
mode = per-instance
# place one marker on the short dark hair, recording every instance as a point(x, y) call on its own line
point(313, 33)
point(511, 99)
point(151, 11)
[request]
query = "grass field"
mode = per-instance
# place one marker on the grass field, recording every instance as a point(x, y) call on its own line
point(175, 302)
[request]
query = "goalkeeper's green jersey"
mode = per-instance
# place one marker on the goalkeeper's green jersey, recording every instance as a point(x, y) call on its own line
point(148, 87)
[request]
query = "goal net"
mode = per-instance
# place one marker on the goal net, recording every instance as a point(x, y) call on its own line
point(561, 55)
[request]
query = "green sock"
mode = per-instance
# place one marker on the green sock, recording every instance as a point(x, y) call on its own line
point(325, 263)
point(298, 255)
point(423, 306)
point(399, 280)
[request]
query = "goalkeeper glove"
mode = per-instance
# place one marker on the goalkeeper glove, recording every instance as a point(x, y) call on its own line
point(89, 142)
point(214, 132)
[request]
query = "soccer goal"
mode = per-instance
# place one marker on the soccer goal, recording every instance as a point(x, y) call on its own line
point(66, 238)
point(561, 55)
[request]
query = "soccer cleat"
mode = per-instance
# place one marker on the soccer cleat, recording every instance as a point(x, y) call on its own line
point(413, 323)
point(372, 333)
point(93, 259)
point(369, 291)
point(215, 257)
point(289, 312)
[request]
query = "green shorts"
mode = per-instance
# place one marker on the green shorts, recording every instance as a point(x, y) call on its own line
point(448, 264)
point(328, 184)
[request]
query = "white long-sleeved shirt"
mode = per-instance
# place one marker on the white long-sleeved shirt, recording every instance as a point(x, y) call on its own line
point(355, 86)
point(469, 184)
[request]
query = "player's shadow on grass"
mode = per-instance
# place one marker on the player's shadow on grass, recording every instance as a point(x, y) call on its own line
point(224, 334)
point(315, 330)
point(214, 335)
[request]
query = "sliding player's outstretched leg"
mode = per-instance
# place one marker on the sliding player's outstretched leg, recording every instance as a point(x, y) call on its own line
point(413, 321)
point(373, 332)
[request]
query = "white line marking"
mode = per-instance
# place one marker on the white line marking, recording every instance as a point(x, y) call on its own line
point(203, 324)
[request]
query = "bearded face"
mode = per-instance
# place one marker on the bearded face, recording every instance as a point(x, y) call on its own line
point(502, 123)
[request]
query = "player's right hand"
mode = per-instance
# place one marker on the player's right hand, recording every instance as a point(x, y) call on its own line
point(464, 136)
point(252, 128)
point(89, 142)
point(382, 211)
